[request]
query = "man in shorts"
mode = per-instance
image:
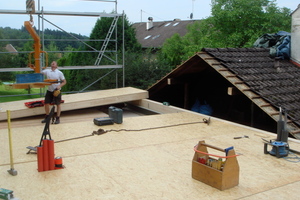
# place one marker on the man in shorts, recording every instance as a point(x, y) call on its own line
point(54, 74)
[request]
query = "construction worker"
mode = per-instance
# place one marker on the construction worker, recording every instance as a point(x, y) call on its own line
point(53, 94)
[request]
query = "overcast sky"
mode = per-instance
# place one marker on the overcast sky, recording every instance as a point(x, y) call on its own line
point(136, 11)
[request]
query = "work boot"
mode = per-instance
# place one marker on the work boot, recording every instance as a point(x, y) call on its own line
point(57, 121)
point(44, 120)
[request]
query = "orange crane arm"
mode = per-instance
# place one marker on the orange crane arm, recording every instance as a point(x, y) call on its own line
point(37, 46)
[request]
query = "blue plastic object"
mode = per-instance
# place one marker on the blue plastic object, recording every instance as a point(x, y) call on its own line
point(30, 78)
point(205, 108)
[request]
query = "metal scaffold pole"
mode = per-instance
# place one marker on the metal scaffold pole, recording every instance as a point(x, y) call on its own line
point(103, 52)
point(123, 50)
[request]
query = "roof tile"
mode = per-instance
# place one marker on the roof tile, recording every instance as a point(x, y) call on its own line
point(279, 85)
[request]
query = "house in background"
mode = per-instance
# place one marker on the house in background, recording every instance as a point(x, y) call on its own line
point(244, 85)
point(11, 48)
point(152, 35)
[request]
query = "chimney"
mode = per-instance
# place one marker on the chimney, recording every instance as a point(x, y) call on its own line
point(295, 36)
point(149, 24)
point(277, 64)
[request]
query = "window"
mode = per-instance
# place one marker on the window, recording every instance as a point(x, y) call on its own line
point(155, 37)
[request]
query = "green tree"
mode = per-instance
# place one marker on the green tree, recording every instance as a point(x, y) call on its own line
point(173, 46)
point(101, 28)
point(2, 43)
point(234, 23)
point(99, 32)
point(143, 69)
point(54, 55)
point(6, 61)
point(240, 22)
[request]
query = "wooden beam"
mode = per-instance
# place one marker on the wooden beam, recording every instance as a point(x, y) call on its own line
point(174, 81)
point(239, 82)
point(246, 90)
point(265, 105)
point(223, 69)
point(157, 107)
point(233, 91)
point(274, 113)
point(295, 131)
point(75, 101)
point(231, 76)
point(28, 85)
point(209, 58)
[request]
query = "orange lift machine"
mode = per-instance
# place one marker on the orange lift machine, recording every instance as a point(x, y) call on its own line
point(36, 79)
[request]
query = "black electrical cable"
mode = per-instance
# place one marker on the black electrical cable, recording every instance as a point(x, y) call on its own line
point(101, 131)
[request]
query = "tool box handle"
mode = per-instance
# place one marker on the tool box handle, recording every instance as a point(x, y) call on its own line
point(213, 147)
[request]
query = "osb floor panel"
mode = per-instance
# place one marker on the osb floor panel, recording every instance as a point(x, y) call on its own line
point(73, 116)
point(147, 164)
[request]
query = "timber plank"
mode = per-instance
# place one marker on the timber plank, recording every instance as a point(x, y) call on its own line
point(75, 101)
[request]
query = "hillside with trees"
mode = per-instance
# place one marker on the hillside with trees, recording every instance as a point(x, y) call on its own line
point(20, 39)
point(233, 23)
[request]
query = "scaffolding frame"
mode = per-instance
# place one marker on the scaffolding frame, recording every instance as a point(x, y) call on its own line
point(113, 68)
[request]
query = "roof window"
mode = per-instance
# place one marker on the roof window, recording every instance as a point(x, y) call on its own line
point(147, 37)
point(155, 37)
point(168, 24)
point(176, 24)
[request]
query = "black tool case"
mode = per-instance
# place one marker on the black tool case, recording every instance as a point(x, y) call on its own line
point(116, 114)
point(103, 121)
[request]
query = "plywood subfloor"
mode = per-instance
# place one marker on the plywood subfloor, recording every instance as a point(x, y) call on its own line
point(147, 164)
point(73, 116)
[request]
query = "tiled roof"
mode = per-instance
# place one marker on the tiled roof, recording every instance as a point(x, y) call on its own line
point(157, 35)
point(267, 83)
point(278, 82)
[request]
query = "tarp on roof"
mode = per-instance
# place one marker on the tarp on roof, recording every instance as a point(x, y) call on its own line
point(279, 44)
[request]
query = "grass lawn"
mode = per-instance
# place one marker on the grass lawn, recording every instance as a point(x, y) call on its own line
point(19, 94)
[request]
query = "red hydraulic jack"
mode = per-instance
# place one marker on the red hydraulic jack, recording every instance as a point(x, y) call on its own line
point(45, 151)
